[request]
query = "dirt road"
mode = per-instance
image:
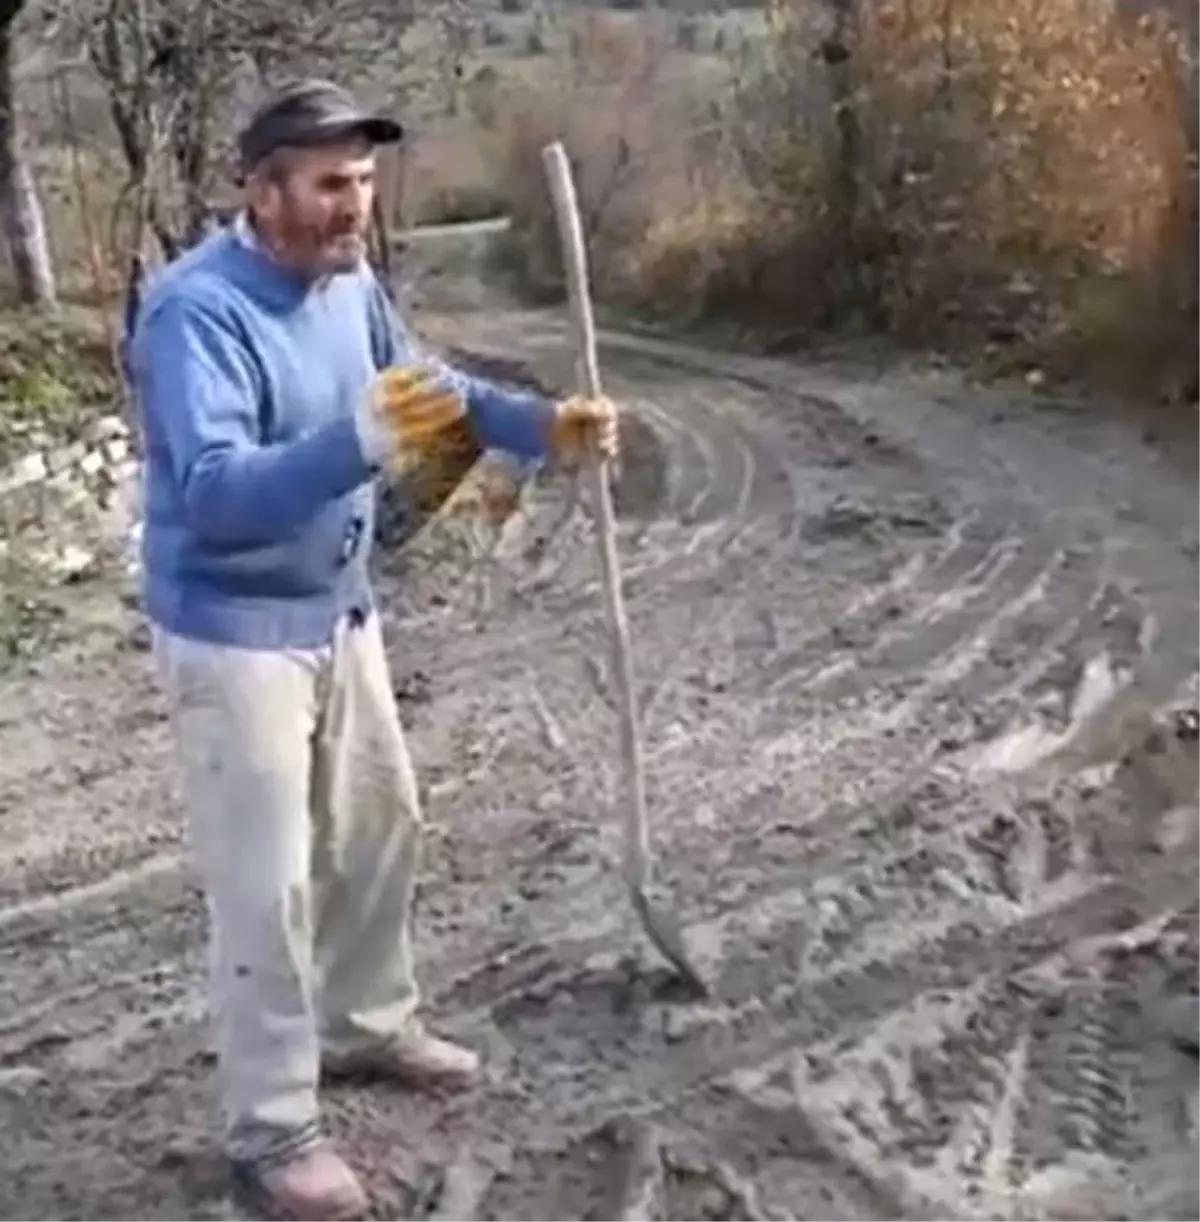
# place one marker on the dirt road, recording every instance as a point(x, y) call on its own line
point(935, 982)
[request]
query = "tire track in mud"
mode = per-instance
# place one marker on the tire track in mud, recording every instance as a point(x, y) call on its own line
point(1023, 584)
point(789, 765)
point(831, 614)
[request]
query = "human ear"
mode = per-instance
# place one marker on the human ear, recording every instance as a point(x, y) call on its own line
point(262, 196)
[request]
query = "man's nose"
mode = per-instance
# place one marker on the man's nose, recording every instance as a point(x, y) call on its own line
point(360, 203)
point(352, 210)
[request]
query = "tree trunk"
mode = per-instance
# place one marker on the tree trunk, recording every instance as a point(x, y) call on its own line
point(839, 52)
point(20, 209)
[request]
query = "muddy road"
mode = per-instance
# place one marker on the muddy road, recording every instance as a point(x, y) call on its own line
point(861, 604)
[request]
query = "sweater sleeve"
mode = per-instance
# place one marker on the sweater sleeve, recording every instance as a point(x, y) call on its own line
point(200, 391)
point(503, 419)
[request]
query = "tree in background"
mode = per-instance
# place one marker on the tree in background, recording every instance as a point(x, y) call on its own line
point(20, 209)
point(174, 69)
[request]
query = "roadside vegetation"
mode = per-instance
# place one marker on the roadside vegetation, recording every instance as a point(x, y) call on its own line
point(1012, 186)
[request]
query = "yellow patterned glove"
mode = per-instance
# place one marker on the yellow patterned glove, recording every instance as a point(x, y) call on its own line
point(583, 426)
point(407, 416)
point(415, 428)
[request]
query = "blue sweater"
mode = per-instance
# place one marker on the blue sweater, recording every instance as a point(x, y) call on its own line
point(259, 499)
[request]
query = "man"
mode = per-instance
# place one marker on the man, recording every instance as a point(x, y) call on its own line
point(275, 384)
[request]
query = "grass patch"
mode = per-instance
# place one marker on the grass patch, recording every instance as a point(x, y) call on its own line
point(56, 378)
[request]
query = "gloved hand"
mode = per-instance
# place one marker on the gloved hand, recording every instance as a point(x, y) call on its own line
point(407, 415)
point(582, 426)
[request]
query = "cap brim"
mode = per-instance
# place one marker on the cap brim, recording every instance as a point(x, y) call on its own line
point(381, 130)
point(375, 129)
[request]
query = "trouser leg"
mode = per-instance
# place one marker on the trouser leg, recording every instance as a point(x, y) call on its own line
point(365, 853)
point(245, 721)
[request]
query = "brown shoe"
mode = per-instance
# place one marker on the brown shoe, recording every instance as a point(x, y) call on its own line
point(313, 1186)
point(415, 1056)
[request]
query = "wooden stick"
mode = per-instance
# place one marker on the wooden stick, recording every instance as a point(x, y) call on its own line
point(588, 373)
point(661, 927)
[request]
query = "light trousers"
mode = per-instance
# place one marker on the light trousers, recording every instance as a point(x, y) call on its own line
point(304, 821)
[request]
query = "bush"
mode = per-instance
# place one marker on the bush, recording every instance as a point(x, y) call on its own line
point(1018, 177)
point(1019, 174)
point(624, 122)
point(450, 178)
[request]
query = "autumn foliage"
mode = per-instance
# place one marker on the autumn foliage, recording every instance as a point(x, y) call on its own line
point(1019, 178)
point(625, 128)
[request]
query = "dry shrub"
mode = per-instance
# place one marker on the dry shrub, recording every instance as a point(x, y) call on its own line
point(1018, 175)
point(614, 104)
point(1011, 155)
point(727, 254)
point(450, 176)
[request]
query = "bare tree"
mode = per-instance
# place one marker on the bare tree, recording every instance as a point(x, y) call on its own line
point(454, 22)
point(171, 69)
point(20, 208)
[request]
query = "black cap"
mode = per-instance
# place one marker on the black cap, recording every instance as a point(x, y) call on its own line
point(309, 113)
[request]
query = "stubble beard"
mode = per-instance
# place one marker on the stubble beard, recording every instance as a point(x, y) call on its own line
point(343, 254)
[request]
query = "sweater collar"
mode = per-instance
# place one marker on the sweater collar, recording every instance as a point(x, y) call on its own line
point(244, 232)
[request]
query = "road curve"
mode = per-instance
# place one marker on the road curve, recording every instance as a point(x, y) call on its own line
point(853, 595)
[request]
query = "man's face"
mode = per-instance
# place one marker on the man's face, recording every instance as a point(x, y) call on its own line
point(313, 206)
